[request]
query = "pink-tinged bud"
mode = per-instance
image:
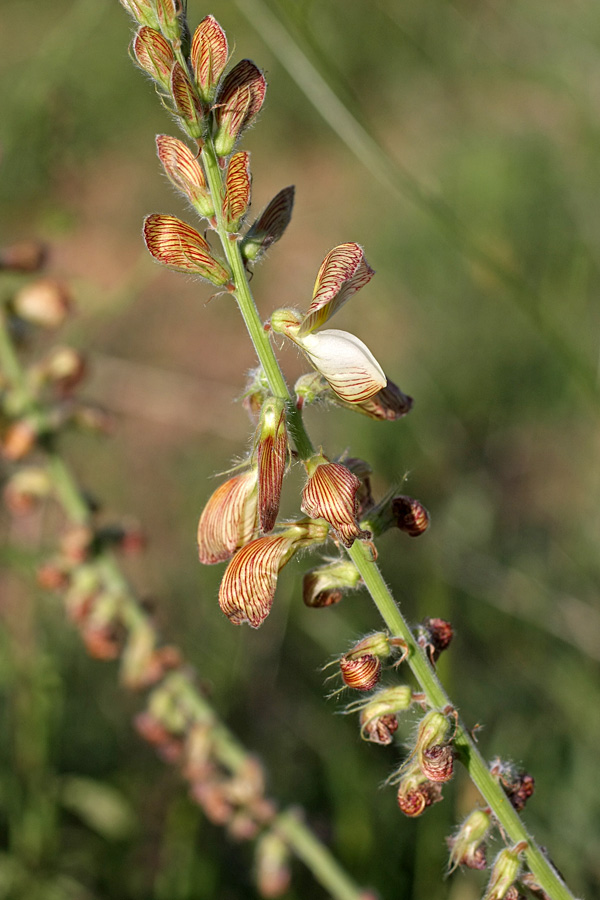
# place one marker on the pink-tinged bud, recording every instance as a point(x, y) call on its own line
point(434, 636)
point(236, 199)
point(142, 11)
point(272, 456)
point(343, 272)
point(467, 847)
point(186, 102)
point(416, 793)
point(378, 719)
point(518, 785)
point(229, 519)
point(433, 751)
point(154, 55)
point(410, 515)
point(19, 439)
point(248, 586)
point(179, 246)
point(184, 171)
point(270, 225)
point(326, 584)
point(330, 494)
point(361, 672)
point(23, 256)
point(238, 101)
point(272, 866)
point(505, 871)
point(26, 488)
point(208, 56)
point(44, 302)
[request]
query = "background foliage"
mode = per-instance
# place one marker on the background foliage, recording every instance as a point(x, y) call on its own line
point(485, 309)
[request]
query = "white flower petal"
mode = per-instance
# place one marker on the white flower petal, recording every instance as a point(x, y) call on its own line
point(348, 365)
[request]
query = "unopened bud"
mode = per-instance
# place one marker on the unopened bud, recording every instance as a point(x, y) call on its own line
point(23, 256)
point(44, 302)
point(184, 171)
point(208, 57)
point(179, 246)
point(238, 101)
point(362, 672)
point(186, 102)
point(410, 515)
point(467, 847)
point(154, 55)
point(19, 439)
point(271, 459)
point(142, 11)
point(416, 793)
point(325, 585)
point(270, 225)
point(236, 199)
point(26, 488)
point(505, 871)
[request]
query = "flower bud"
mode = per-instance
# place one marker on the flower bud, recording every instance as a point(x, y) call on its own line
point(229, 519)
point(416, 793)
point(142, 11)
point(44, 302)
point(272, 866)
point(154, 55)
point(168, 14)
point(186, 103)
point(467, 847)
point(179, 246)
point(23, 256)
point(433, 752)
point(19, 439)
point(236, 199)
point(410, 515)
point(248, 585)
point(434, 635)
point(270, 225)
point(272, 456)
point(331, 494)
point(518, 785)
point(343, 272)
point(325, 585)
point(361, 672)
point(238, 101)
point(26, 488)
point(184, 171)
point(208, 57)
point(504, 872)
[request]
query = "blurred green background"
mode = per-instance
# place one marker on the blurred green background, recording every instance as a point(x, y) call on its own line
point(479, 207)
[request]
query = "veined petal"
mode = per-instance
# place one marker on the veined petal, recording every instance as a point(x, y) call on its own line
point(248, 585)
point(176, 244)
point(154, 55)
point(237, 190)
point(343, 272)
point(330, 494)
point(348, 365)
point(229, 519)
point(208, 56)
point(270, 225)
point(239, 99)
point(184, 171)
point(184, 97)
point(272, 457)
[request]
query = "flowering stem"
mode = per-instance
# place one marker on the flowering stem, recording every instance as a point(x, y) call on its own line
point(181, 681)
point(249, 311)
point(425, 675)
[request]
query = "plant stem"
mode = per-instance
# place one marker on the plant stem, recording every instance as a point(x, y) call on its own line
point(420, 666)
